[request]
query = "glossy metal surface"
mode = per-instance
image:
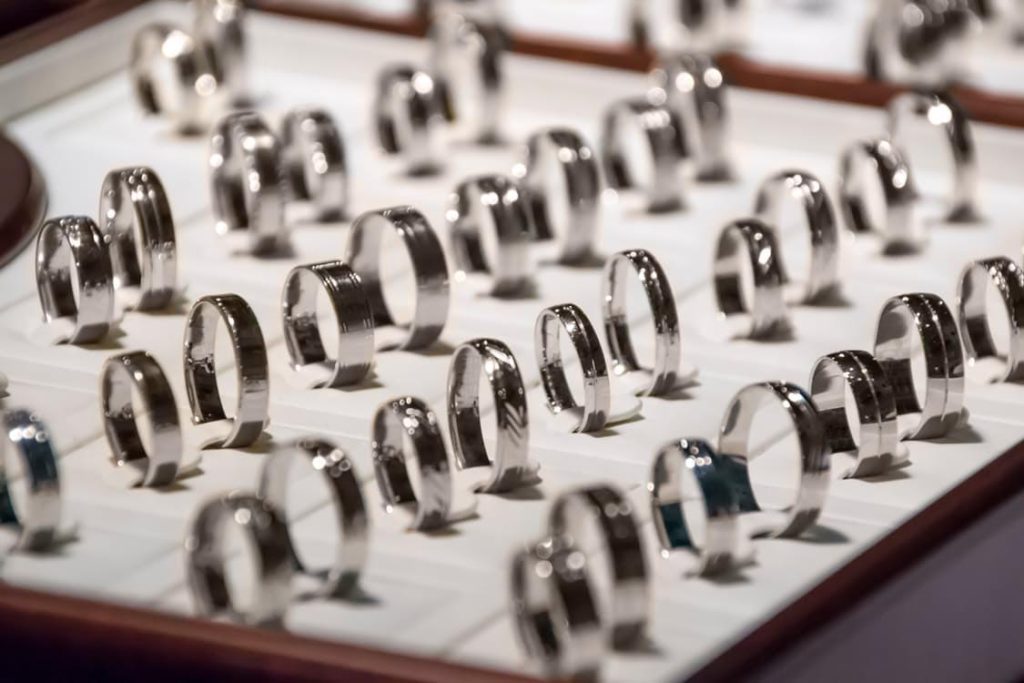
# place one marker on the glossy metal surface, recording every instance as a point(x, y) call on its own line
point(74, 280)
point(157, 466)
point(313, 155)
point(363, 253)
point(511, 465)
point(252, 409)
point(247, 184)
point(330, 462)
point(971, 302)
point(735, 449)
point(823, 278)
point(402, 421)
point(353, 318)
point(38, 514)
point(220, 28)
point(750, 244)
point(206, 560)
point(137, 225)
point(408, 110)
point(667, 146)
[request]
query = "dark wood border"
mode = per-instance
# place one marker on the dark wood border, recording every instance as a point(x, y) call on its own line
point(76, 18)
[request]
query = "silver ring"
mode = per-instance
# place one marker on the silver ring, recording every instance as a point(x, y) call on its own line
point(596, 388)
point(511, 465)
point(219, 27)
point(330, 462)
point(408, 111)
point(136, 222)
point(823, 278)
point(190, 97)
point(251, 412)
point(693, 86)
point(926, 318)
point(313, 155)
point(942, 109)
point(666, 143)
point(555, 611)
point(362, 254)
point(751, 243)
point(564, 147)
point(38, 520)
point(247, 186)
point(458, 39)
point(206, 559)
point(736, 451)
point(664, 376)
point(971, 302)
point(622, 550)
point(492, 202)
point(158, 465)
point(687, 471)
point(880, 161)
point(874, 448)
point(353, 315)
point(71, 256)
point(409, 420)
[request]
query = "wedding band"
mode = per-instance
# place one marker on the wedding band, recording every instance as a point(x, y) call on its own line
point(171, 76)
point(136, 222)
point(511, 466)
point(74, 279)
point(596, 387)
point(251, 412)
point(1008, 280)
point(246, 182)
point(206, 559)
point(38, 520)
point(492, 202)
point(121, 374)
point(751, 243)
point(942, 109)
point(353, 317)
point(622, 550)
point(736, 452)
point(330, 462)
point(666, 144)
point(875, 446)
point(408, 112)
point(693, 86)
point(692, 465)
point(667, 352)
point(901, 229)
point(219, 27)
point(555, 611)
point(409, 420)
point(363, 252)
point(576, 235)
point(926, 317)
point(313, 155)
point(823, 278)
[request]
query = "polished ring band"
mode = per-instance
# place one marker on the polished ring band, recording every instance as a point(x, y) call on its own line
point(751, 243)
point(353, 316)
point(736, 451)
point(219, 26)
point(511, 466)
point(363, 254)
point(206, 559)
point(1008, 279)
point(72, 247)
point(158, 465)
point(313, 155)
point(331, 463)
point(409, 111)
point(136, 222)
point(38, 519)
point(252, 410)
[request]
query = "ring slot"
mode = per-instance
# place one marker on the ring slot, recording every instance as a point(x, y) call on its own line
point(353, 317)
point(72, 248)
point(511, 465)
point(206, 559)
point(409, 112)
point(751, 243)
point(38, 520)
point(121, 374)
point(313, 155)
point(1008, 279)
point(252, 410)
point(736, 451)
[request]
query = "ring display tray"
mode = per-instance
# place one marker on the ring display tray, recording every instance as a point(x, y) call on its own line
point(441, 601)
